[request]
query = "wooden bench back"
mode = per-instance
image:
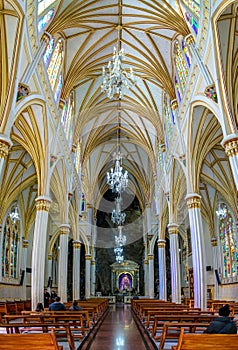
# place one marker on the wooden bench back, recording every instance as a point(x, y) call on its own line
point(207, 341)
point(46, 341)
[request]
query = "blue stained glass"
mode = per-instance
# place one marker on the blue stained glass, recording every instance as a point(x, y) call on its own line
point(48, 51)
point(192, 22)
point(43, 21)
point(178, 90)
point(58, 88)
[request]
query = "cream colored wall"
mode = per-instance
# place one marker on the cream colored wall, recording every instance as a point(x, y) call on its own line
point(229, 292)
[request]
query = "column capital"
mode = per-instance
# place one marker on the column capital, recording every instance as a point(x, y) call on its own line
point(148, 205)
point(46, 37)
point(151, 257)
point(172, 228)
point(88, 257)
point(5, 145)
point(93, 262)
point(146, 262)
point(76, 244)
point(174, 104)
point(230, 143)
point(43, 203)
point(49, 257)
point(214, 242)
point(189, 39)
point(89, 206)
point(64, 229)
point(25, 243)
point(193, 200)
point(161, 243)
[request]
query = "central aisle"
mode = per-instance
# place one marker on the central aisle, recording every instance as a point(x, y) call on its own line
point(118, 331)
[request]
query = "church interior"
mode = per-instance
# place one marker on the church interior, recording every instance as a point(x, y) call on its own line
point(119, 150)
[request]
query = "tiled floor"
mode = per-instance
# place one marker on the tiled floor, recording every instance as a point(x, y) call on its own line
point(118, 331)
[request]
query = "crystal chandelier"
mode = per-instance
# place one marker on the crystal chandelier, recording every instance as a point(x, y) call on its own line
point(119, 258)
point(120, 240)
point(117, 179)
point(119, 254)
point(117, 216)
point(116, 80)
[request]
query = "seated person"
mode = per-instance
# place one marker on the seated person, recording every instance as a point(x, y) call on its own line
point(39, 307)
point(53, 296)
point(75, 306)
point(57, 305)
point(222, 324)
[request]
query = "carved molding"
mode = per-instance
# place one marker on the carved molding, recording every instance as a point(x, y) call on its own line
point(43, 204)
point(231, 147)
point(4, 149)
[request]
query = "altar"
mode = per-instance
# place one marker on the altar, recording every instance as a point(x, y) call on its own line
point(125, 278)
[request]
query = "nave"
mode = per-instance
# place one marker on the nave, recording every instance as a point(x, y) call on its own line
point(118, 331)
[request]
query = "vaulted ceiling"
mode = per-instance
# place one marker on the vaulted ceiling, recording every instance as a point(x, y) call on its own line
point(145, 30)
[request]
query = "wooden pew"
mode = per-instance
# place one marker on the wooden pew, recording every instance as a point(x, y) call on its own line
point(206, 341)
point(46, 341)
point(171, 330)
point(149, 319)
point(159, 321)
point(61, 330)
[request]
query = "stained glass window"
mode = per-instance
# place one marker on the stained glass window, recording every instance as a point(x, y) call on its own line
point(45, 19)
point(168, 125)
point(187, 53)
point(10, 244)
point(53, 58)
point(43, 5)
point(228, 238)
point(160, 156)
point(192, 13)
point(182, 61)
point(49, 51)
point(68, 116)
point(77, 157)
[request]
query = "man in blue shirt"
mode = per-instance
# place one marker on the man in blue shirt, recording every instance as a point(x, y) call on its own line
point(57, 305)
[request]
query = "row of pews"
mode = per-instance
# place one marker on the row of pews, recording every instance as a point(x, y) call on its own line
point(167, 322)
point(57, 325)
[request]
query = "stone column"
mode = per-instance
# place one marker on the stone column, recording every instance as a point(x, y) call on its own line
point(76, 270)
point(63, 262)
point(5, 145)
point(192, 46)
point(87, 275)
point(39, 250)
point(215, 254)
point(23, 267)
point(146, 282)
point(89, 221)
point(175, 264)
point(162, 270)
point(151, 276)
point(198, 250)
point(230, 143)
point(148, 218)
point(93, 277)
point(36, 59)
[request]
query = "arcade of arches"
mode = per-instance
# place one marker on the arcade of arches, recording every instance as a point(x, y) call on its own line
point(176, 129)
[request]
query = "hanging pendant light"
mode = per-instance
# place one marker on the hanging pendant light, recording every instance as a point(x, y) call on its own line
point(116, 79)
point(117, 216)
